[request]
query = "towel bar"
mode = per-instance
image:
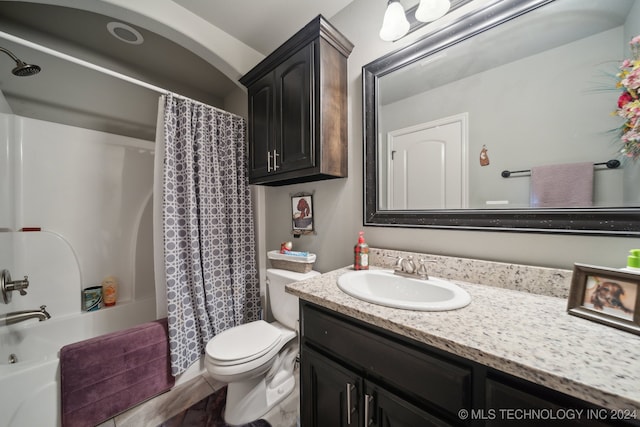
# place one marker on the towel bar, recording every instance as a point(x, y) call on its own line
point(611, 164)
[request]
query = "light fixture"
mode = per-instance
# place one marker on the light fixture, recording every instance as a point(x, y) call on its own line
point(430, 10)
point(395, 23)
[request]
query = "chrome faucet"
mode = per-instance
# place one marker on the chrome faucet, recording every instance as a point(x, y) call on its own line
point(21, 316)
point(407, 267)
point(7, 286)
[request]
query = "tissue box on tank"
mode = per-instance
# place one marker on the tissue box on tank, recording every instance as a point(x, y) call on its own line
point(299, 264)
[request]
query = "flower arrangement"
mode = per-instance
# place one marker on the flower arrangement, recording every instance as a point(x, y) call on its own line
point(628, 102)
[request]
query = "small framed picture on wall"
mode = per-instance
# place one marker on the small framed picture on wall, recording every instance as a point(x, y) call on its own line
point(606, 295)
point(302, 214)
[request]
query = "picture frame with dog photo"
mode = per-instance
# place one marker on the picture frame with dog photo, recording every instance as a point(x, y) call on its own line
point(302, 214)
point(606, 295)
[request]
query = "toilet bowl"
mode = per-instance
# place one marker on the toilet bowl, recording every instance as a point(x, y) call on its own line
point(257, 359)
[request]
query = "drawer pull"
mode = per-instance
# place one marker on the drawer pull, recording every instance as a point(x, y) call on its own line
point(275, 166)
point(350, 409)
point(368, 400)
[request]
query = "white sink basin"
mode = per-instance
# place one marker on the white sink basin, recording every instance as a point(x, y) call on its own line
point(383, 287)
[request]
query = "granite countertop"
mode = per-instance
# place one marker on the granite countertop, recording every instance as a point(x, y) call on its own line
point(527, 335)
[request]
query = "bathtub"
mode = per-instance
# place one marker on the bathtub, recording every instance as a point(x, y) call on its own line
point(30, 387)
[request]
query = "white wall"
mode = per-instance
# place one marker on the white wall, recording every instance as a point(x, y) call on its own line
point(338, 204)
point(236, 102)
point(632, 26)
point(90, 193)
point(4, 105)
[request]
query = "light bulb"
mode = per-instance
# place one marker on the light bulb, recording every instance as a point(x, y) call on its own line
point(394, 24)
point(430, 10)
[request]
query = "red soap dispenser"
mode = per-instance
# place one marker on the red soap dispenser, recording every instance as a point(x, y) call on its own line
point(361, 254)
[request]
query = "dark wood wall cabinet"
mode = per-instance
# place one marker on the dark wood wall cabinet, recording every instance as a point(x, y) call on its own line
point(355, 374)
point(298, 109)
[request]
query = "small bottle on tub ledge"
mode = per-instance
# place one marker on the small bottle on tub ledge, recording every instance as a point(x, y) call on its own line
point(109, 291)
point(361, 254)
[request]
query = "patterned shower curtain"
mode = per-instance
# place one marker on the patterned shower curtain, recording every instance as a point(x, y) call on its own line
point(209, 244)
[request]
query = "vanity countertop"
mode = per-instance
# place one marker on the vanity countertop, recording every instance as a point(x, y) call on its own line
point(527, 335)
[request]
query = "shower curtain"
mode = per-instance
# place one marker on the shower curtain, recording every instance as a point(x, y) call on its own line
point(207, 247)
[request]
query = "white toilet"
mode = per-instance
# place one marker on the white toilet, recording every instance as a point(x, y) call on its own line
point(257, 359)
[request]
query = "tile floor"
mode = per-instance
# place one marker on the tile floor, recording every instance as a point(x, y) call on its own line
point(207, 413)
point(189, 404)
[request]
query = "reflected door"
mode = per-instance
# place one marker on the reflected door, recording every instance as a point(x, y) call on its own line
point(428, 164)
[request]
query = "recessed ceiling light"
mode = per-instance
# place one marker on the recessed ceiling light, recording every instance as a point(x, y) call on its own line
point(125, 33)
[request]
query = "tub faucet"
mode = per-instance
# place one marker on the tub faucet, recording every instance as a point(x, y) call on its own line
point(20, 316)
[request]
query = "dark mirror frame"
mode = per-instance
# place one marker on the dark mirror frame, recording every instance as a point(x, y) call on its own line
point(591, 221)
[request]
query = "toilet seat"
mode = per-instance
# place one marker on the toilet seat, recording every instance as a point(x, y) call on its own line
point(243, 343)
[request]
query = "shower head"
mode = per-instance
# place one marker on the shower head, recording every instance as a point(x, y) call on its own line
point(22, 69)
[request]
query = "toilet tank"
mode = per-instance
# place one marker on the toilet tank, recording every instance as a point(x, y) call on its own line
point(284, 306)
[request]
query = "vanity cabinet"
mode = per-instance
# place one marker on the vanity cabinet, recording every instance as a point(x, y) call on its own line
point(331, 392)
point(337, 396)
point(353, 371)
point(356, 374)
point(297, 127)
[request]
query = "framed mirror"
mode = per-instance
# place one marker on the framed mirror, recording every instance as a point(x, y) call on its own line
point(504, 95)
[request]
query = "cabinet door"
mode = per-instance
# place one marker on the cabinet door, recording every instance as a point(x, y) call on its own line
point(330, 394)
point(384, 409)
point(294, 134)
point(261, 129)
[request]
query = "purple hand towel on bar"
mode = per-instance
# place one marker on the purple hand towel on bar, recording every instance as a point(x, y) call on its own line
point(562, 185)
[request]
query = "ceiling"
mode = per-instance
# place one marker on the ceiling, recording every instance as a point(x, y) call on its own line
point(67, 92)
point(263, 25)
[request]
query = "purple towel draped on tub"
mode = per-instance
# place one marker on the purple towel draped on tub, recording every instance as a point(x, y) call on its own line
point(562, 186)
point(105, 375)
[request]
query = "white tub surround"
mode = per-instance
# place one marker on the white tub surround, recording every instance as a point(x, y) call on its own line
point(89, 193)
point(524, 334)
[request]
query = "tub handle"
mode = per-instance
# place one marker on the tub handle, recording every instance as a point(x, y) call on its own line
point(7, 286)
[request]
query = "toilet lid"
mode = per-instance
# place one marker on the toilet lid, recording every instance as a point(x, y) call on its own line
point(244, 342)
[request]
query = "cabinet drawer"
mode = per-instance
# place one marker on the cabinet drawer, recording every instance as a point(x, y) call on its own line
point(422, 376)
point(511, 403)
